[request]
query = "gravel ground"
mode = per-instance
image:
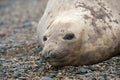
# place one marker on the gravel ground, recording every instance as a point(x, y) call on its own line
point(19, 58)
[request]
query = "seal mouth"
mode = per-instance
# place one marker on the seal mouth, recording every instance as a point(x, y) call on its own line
point(57, 59)
point(63, 60)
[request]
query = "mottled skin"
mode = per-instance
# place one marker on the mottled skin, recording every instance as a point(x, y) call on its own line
point(94, 23)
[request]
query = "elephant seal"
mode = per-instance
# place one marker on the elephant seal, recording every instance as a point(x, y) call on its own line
point(79, 32)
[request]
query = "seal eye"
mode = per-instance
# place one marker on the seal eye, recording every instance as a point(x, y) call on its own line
point(69, 36)
point(44, 38)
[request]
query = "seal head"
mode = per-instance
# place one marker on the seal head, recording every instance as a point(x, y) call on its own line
point(65, 41)
point(79, 34)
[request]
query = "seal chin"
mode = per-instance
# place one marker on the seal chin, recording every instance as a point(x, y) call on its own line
point(53, 58)
point(64, 61)
point(58, 62)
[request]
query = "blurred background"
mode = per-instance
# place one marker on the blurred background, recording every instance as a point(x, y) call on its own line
point(19, 19)
point(18, 39)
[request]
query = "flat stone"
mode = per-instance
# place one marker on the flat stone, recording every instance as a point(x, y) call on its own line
point(46, 78)
point(101, 78)
point(2, 60)
point(83, 70)
point(88, 74)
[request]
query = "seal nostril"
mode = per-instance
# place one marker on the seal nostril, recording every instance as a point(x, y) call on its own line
point(44, 38)
point(45, 55)
point(55, 42)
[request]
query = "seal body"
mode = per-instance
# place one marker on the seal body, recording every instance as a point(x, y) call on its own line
point(79, 32)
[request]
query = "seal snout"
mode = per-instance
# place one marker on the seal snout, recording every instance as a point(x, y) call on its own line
point(47, 54)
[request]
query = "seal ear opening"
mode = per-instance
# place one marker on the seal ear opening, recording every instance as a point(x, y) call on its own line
point(69, 36)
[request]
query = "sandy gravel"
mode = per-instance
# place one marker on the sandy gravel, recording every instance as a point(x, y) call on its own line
point(19, 58)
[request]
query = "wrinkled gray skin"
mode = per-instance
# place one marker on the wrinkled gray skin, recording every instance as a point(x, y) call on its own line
point(95, 25)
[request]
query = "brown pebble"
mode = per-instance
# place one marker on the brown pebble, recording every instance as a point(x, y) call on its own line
point(2, 34)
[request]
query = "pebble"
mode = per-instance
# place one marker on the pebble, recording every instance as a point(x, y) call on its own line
point(93, 78)
point(2, 50)
point(2, 22)
point(2, 34)
point(7, 73)
point(51, 75)
point(92, 68)
point(83, 70)
point(104, 75)
point(88, 74)
point(78, 79)
point(46, 78)
point(21, 78)
point(23, 70)
point(16, 74)
point(40, 62)
point(15, 68)
point(101, 78)
point(101, 69)
point(1, 72)
point(27, 24)
point(2, 60)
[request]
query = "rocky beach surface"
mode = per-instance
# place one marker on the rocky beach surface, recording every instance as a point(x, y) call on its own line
point(19, 48)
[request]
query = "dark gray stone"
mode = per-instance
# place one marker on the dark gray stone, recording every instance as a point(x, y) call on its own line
point(15, 68)
point(21, 78)
point(83, 70)
point(88, 74)
point(2, 60)
point(27, 24)
point(16, 74)
point(92, 68)
point(93, 78)
point(101, 78)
